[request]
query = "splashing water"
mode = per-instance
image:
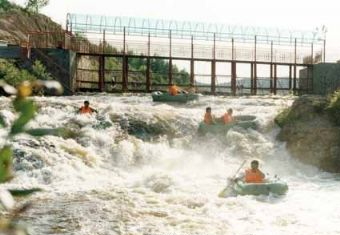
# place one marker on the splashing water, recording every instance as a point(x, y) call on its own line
point(139, 168)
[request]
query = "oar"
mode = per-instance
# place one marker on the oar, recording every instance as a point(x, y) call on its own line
point(228, 187)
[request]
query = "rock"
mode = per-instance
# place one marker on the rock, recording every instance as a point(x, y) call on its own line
point(310, 132)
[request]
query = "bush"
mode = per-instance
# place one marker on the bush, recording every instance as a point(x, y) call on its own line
point(12, 75)
point(284, 117)
point(39, 71)
point(333, 107)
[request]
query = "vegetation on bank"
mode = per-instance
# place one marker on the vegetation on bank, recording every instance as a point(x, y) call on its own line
point(333, 107)
point(32, 6)
point(13, 74)
point(329, 106)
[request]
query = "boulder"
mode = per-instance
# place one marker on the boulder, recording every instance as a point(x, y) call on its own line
point(311, 133)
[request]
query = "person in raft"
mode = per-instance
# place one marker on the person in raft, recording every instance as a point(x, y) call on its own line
point(252, 175)
point(208, 117)
point(86, 108)
point(228, 117)
point(174, 90)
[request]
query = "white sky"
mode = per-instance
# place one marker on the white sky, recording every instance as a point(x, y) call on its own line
point(292, 14)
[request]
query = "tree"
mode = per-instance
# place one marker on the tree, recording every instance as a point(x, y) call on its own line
point(35, 5)
point(4, 5)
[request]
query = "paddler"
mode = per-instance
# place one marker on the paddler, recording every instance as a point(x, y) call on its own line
point(174, 90)
point(228, 117)
point(208, 117)
point(86, 108)
point(253, 174)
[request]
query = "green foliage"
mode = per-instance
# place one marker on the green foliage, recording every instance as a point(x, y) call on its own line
point(35, 5)
point(27, 109)
point(5, 163)
point(5, 6)
point(12, 75)
point(39, 71)
point(160, 70)
point(284, 117)
point(333, 108)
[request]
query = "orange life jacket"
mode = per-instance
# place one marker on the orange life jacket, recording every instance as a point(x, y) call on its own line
point(227, 118)
point(253, 177)
point(208, 118)
point(84, 110)
point(173, 90)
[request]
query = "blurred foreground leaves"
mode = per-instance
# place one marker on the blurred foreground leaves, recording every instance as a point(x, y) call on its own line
point(26, 110)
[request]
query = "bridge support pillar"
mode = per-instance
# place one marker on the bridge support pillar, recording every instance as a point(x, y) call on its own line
point(101, 80)
point(233, 78)
point(213, 77)
point(294, 79)
point(125, 73)
point(192, 73)
point(275, 79)
point(255, 79)
point(148, 78)
point(271, 78)
point(170, 72)
point(251, 78)
point(290, 77)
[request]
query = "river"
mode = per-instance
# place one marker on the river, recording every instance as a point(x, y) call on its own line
point(139, 168)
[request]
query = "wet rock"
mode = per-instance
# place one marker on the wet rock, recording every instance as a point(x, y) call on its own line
point(311, 134)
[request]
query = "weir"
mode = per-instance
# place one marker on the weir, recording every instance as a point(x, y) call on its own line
point(99, 41)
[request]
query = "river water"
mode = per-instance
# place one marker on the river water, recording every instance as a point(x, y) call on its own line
point(140, 168)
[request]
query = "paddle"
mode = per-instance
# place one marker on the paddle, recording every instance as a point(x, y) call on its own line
point(228, 187)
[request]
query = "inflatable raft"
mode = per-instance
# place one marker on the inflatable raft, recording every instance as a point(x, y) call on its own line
point(166, 97)
point(243, 121)
point(270, 187)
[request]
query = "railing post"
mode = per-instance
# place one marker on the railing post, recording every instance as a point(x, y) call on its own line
point(233, 78)
point(170, 60)
point(148, 78)
point(213, 68)
point(275, 79)
point(255, 67)
point(103, 49)
point(251, 77)
point(192, 64)
point(312, 53)
point(294, 75)
point(271, 67)
point(125, 64)
point(324, 50)
point(290, 77)
point(101, 73)
point(28, 46)
point(232, 49)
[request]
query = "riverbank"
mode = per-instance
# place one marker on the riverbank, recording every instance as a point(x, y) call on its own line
point(311, 129)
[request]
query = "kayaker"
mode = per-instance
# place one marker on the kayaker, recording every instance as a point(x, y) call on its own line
point(86, 108)
point(228, 117)
point(252, 175)
point(208, 117)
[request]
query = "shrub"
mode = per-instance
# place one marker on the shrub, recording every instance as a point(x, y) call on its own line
point(333, 107)
point(39, 71)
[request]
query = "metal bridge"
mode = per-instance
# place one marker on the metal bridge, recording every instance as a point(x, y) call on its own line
point(98, 39)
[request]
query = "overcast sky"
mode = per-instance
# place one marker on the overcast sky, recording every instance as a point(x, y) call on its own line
point(292, 14)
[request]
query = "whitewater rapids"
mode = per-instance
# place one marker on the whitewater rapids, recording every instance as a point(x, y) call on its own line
point(138, 168)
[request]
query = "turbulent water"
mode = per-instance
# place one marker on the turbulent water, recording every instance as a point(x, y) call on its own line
point(139, 168)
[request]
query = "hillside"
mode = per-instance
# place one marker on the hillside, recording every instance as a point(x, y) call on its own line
point(15, 22)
